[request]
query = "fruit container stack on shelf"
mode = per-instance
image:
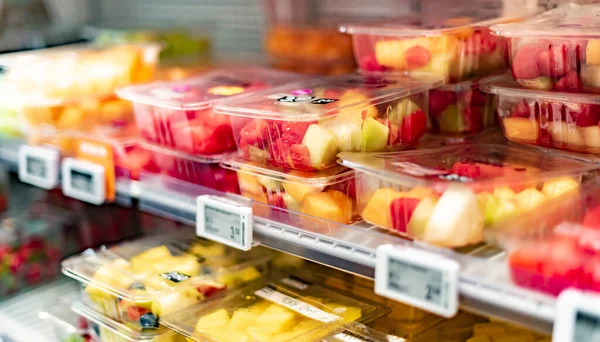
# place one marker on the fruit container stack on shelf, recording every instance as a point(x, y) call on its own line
point(183, 139)
point(554, 100)
point(288, 138)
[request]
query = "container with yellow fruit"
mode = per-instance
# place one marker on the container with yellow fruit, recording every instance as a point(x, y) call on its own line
point(285, 309)
point(455, 49)
point(74, 90)
point(328, 194)
point(448, 196)
point(137, 282)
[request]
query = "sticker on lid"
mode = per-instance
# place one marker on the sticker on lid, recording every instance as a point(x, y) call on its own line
point(175, 277)
point(300, 307)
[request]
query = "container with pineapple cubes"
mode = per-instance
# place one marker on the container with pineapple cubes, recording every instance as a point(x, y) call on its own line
point(278, 310)
point(447, 196)
point(303, 125)
point(556, 50)
point(138, 282)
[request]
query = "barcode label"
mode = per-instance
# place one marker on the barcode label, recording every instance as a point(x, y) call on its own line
point(300, 307)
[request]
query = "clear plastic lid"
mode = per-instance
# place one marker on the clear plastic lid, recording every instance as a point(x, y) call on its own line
point(147, 269)
point(206, 90)
point(204, 159)
point(285, 309)
point(418, 27)
point(318, 98)
point(569, 20)
point(471, 84)
point(481, 164)
point(325, 177)
point(121, 330)
point(507, 86)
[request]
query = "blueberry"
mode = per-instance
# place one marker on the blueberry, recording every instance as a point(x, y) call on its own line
point(137, 286)
point(149, 320)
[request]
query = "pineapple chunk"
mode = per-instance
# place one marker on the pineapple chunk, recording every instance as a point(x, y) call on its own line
point(259, 307)
point(241, 319)
point(275, 319)
point(248, 274)
point(216, 320)
point(185, 264)
point(208, 250)
point(143, 261)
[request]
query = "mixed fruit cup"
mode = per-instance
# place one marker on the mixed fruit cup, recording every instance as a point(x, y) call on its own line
point(355, 121)
point(328, 194)
point(460, 109)
point(448, 199)
point(283, 310)
point(459, 52)
point(153, 282)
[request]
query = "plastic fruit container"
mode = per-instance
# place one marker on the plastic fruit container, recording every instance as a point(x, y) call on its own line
point(559, 49)
point(461, 109)
point(138, 282)
point(179, 114)
point(280, 310)
point(454, 49)
point(328, 194)
point(303, 125)
point(447, 196)
point(74, 90)
point(67, 325)
point(196, 170)
point(107, 329)
point(553, 119)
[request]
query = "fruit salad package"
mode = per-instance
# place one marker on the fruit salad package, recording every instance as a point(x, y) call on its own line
point(558, 49)
point(109, 330)
point(179, 115)
point(204, 171)
point(455, 49)
point(285, 309)
point(556, 248)
point(462, 108)
point(328, 194)
point(75, 90)
point(447, 196)
point(138, 282)
point(553, 119)
point(303, 125)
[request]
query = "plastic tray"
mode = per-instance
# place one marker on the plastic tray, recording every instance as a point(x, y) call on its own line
point(138, 282)
point(280, 310)
point(109, 330)
point(447, 196)
point(328, 194)
point(553, 119)
point(559, 49)
point(461, 108)
point(204, 171)
point(304, 125)
point(454, 49)
point(179, 114)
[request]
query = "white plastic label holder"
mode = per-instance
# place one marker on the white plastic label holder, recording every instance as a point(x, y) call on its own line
point(224, 221)
point(84, 181)
point(38, 165)
point(418, 278)
point(577, 317)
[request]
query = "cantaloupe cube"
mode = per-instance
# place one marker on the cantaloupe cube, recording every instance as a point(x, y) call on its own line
point(275, 319)
point(377, 210)
point(242, 319)
point(344, 202)
point(218, 319)
point(566, 133)
point(347, 313)
point(592, 52)
point(322, 205)
point(522, 129)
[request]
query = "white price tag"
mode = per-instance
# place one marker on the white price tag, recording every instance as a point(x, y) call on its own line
point(83, 180)
point(577, 317)
point(38, 165)
point(224, 221)
point(418, 278)
point(300, 307)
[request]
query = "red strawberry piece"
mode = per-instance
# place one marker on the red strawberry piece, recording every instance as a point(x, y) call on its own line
point(33, 275)
point(439, 100)
point(468, 170)
point(525, 264)
point(417, 57)
point(300, 158)
point(210, 289)
point(401, 211)
point(592, 218)
point(521, 110)
point(562, 268)
point(591, 275)
point(478, 97)
point(137, 159)
point(276, 199)
point(570, 82)
point(369, 63)
point(16, 263)
point(413, 127)
point(473, 119)
point(524, 64)
point(583, 115)
point(588, 241)
point(553, 61)
point(211, 140)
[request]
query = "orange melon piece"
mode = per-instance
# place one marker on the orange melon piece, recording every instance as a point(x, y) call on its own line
point(521, 129)
point(377, 210)
point(324, 206)
point(344, 202)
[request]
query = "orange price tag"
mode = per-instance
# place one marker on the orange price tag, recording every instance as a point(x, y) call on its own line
point(102, 154)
